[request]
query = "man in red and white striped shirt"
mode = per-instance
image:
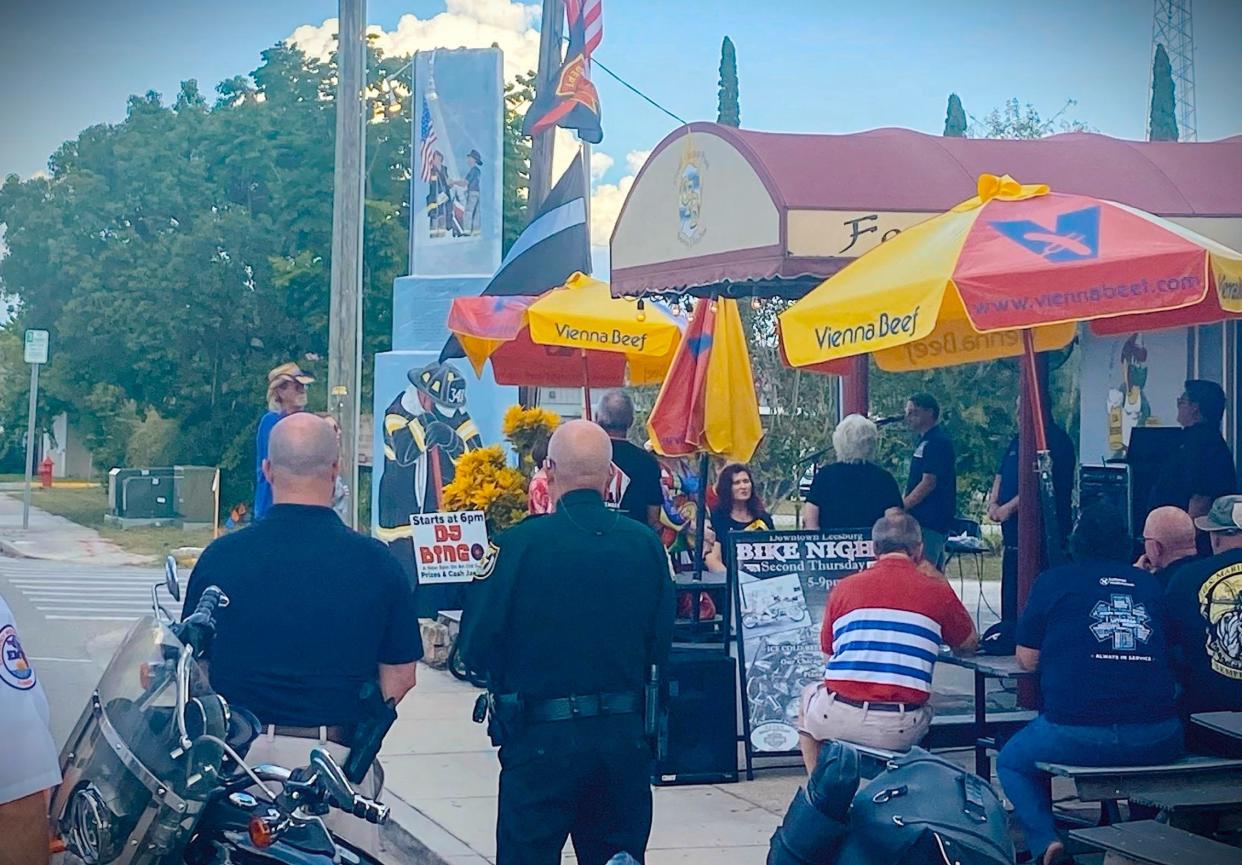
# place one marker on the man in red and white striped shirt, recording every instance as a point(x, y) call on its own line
point(881, 634)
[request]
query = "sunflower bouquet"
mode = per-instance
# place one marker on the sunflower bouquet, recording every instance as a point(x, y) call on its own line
point(524, 428)
point(484, 481)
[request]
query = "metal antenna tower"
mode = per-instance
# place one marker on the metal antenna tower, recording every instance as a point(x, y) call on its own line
point(1171, 27)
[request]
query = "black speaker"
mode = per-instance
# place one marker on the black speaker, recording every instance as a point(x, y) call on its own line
point(697, 728)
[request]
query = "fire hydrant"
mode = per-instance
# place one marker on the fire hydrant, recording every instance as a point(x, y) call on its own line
point(45, 472)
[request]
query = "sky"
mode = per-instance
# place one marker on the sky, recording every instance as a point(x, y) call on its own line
point(803, 65)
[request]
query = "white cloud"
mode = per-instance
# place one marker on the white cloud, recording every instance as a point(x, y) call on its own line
point(607, 198)
point(463, 24)
point(636, 159)
point(601, 163)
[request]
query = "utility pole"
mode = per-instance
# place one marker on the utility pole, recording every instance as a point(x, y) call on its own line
point(540, 183)
point(345, 320)
point(550, 31)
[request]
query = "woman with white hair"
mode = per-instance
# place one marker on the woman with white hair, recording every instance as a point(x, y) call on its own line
point(853, 492)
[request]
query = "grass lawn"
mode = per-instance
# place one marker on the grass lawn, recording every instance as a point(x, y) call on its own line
point(86, 506)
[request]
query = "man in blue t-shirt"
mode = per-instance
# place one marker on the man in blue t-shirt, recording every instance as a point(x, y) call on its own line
point(931, 491)
point(1094, 630)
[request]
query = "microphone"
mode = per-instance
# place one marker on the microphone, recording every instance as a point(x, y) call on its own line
point(885, 421)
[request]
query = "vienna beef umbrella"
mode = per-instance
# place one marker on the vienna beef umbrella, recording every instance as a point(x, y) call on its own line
point(576, 335)
point(1010, 272)
point(708, 403)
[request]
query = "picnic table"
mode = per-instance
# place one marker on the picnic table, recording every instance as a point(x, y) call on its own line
point(1147, 842)
point(1225, 723)
point(985, 667)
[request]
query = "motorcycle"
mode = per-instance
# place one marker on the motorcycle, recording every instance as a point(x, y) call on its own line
point(155, 772)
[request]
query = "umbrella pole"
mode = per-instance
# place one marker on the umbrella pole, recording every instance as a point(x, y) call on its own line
point(1040, 519)
point(700, 519)
point(586, 387)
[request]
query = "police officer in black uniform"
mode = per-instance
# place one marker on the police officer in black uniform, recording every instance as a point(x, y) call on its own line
point(575, 612)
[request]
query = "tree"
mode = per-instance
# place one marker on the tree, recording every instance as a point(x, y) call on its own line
point(1163, 103)
point(178, 255)
point(516, 183)
point(728, 109)
point(1023, 121)
point(955, 118)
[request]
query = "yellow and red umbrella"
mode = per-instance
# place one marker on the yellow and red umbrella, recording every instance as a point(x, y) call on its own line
point(576, 335)
point(965, 285)
point(708, 402)
point(1009, 272)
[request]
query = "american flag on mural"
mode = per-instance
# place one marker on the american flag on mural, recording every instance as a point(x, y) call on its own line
point(592, 12)
point(427, 134)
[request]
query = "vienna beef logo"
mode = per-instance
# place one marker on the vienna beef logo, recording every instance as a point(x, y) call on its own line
point(884, 326)
point(615, 337)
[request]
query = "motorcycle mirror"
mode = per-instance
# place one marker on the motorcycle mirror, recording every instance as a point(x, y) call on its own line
point(170, 578)
point(334, 779)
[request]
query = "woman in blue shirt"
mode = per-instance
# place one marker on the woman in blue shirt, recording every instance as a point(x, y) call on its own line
point(286, 394)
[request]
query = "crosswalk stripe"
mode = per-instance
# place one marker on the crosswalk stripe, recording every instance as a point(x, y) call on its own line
point(94, 618)
point(94, 608)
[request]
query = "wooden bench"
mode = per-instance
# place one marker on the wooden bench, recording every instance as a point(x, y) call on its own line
point(1150, 843)
point(1110, 784)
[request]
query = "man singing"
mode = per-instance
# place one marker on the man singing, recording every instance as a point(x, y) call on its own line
point(931, 491)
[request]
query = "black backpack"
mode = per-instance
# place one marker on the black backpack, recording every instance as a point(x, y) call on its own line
point(922, 810)
point(925, 809)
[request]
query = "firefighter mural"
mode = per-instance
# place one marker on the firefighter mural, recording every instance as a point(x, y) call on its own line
point(422, 425)
point(426, 429)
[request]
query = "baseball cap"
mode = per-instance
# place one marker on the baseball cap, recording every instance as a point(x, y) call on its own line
point(289, 371)
point(1225, 516)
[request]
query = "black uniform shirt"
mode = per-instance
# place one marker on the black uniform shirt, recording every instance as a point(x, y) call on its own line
point(579, 602)
point(314, 609)
point(1202, 466)
point(934, 456)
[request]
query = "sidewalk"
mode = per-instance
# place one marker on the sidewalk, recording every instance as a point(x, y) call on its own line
point(442, 769)
point(56, 538)
point(441, 776)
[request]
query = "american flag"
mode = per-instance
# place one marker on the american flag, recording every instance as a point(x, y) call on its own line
point(427, 134)
point(592, 13)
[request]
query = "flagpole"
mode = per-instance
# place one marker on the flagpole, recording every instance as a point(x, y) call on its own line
point(550, 31)
point(585, 149)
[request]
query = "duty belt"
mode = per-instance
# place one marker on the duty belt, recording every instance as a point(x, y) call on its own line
point(586, 706)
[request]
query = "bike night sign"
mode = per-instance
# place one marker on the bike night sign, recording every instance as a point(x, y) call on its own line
point(449, 547)
point(783, 580)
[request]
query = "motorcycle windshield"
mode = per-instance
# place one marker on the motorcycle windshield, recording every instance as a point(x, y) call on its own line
point(138, 692)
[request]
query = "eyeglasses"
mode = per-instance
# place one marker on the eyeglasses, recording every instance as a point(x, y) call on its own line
point(1184, 400)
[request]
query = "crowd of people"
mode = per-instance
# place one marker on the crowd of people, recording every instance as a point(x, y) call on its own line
point(575, 611)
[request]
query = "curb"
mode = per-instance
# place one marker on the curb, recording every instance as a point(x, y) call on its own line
point(413, 838)
point(12, 552)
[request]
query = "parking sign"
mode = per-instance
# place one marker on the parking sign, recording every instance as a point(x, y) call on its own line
point(36, 346)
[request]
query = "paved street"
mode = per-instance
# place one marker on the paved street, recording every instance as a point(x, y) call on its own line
point(72, 617)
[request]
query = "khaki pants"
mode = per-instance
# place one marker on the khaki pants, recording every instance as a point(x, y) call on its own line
point(825, 718)
point(291, 752)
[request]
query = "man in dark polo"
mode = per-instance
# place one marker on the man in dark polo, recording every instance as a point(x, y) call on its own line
point(931, 491)
point(316, 611)
point(567, 626)
point(1202, 468)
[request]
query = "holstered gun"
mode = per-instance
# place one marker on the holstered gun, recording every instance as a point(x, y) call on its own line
point(368, 736)
point(504, 713)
